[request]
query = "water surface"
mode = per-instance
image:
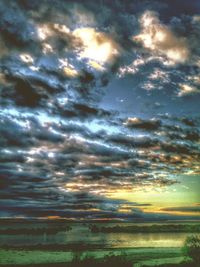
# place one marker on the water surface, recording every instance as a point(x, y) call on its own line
point(80, 234)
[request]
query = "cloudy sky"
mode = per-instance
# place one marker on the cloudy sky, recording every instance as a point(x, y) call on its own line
point(100, 115)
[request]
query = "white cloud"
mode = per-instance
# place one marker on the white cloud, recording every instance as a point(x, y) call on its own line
point(67, 68)
point(26, 58)
point(50, 29)
point(186, 89)
point(159, 38)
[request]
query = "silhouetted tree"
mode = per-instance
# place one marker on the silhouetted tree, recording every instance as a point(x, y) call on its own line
point(192, 248)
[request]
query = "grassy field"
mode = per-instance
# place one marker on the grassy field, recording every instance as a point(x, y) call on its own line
point(135, 257)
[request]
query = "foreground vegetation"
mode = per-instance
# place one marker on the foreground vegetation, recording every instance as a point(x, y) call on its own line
point(188, 256)
point(100, 257)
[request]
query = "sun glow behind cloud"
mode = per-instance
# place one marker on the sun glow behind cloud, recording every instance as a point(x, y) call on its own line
point(97, 46)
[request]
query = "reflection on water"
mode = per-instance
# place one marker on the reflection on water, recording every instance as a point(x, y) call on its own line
point(80, 234)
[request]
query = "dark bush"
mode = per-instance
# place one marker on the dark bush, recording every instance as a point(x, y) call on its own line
point(110, 260)
point(192, 248)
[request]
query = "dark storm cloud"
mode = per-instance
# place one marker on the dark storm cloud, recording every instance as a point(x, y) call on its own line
point(152, 124)
point(47, 155)
point(82, 110)
point(27, 88)
point(16, 30)
point(131, 141)
point(13, 134)
point(77, 206)
point(61, 152)
point(183, 209)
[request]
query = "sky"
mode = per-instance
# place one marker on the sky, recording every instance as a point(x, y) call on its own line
point(100, 116)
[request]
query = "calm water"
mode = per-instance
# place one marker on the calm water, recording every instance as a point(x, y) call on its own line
point(80, 234)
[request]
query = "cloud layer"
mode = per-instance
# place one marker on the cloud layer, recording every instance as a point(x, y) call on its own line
point(63, 152)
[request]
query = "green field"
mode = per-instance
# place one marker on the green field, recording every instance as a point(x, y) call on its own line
point(148, 256)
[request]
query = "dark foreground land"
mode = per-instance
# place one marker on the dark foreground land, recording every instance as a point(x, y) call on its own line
point(104, 258)
point(52, 243)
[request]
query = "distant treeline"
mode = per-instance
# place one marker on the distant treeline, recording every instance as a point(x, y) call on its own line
point(155, 228)
point(75, 247)
point(34, 231)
